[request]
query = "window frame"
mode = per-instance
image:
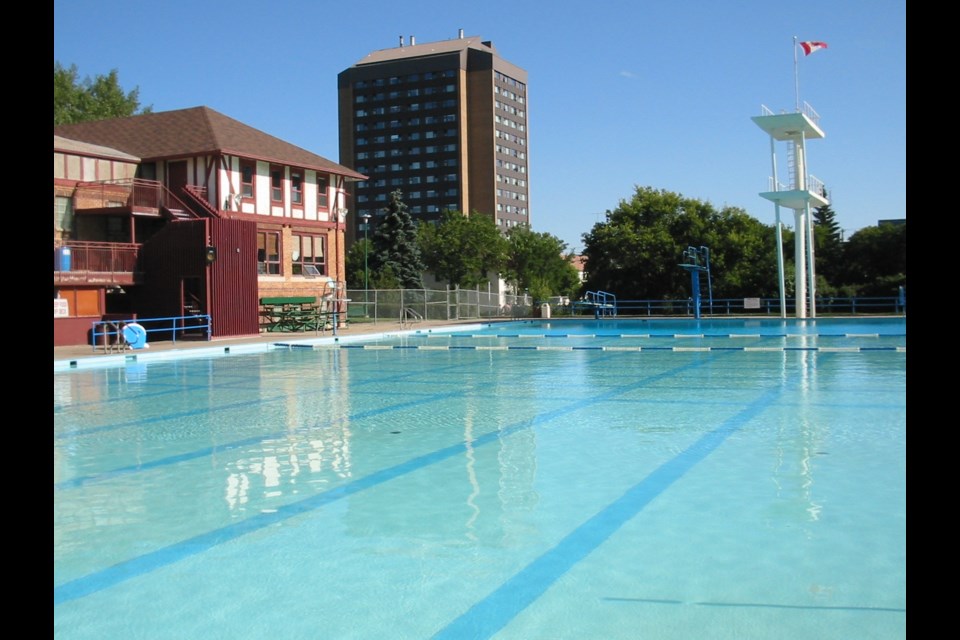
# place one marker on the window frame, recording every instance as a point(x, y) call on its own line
point(323, 196)
point(248, 190)
point(296, 187)
point(269, 265)
point(298, 259)
point(276, 184)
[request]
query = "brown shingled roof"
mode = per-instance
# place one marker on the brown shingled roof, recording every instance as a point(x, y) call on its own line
point(192, 132)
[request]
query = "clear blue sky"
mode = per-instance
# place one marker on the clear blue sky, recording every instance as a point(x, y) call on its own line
point(622, 93)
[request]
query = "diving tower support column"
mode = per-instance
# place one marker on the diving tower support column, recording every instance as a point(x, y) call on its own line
point(802, 192)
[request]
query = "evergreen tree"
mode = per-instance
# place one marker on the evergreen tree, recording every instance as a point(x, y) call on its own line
point(828, 248)
point(395, 248)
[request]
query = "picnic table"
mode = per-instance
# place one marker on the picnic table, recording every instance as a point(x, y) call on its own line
point(292, 313)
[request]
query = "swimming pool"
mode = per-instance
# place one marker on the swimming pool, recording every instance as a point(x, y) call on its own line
point(720, 479)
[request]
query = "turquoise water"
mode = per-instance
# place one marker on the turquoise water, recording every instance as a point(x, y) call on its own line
point(587, 480)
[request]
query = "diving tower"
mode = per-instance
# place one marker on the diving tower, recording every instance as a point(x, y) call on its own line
point(789, 133)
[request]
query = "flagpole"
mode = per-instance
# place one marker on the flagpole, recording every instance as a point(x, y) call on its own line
point(796, 75)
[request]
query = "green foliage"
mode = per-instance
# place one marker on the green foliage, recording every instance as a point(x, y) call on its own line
point(539, 264)
point(636, 253)
point(91, 99)
point(828, 245)
point(355, 263)
point(395, 247)
point(463, 250)
point(875, 260)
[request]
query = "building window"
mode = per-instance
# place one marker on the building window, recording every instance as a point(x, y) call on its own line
point(323, 184)
point(296, 187)
point(276, 184)
point(63, 216)
point(308, 250)
point(247, 172)
point(268, 252)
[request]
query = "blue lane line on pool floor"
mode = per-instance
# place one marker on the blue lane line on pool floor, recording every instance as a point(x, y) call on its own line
point(224, 407)
point(146, 563)
point(79, 481)
point(494, 612)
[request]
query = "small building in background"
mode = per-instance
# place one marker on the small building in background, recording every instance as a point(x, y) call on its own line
point(185, 213)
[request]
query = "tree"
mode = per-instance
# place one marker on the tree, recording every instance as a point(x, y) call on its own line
point(828, 247)
point(463, 250)
point(91, 99)
point(395, 247)
point(875, 260)
point(539, 263)
point(636, 253)
point(355, 263)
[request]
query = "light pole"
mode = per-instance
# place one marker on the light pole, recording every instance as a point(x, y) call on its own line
point(366, 224)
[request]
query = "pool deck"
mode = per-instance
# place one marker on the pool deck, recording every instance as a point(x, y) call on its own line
point(354, 329)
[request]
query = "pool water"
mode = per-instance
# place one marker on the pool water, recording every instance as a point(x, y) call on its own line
point(729, 479)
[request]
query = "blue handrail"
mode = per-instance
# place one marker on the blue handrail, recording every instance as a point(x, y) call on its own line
point(736, 306)
point(109, 333)
point(602, 303)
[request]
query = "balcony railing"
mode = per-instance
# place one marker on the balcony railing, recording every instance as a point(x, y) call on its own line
point(103, 257)
point(133, 193)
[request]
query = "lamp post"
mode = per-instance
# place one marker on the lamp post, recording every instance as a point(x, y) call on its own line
point(366, 224)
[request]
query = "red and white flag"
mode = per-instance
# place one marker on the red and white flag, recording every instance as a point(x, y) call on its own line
point(810, 46)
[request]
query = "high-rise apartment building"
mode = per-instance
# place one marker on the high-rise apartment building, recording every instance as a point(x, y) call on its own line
point(445, 123)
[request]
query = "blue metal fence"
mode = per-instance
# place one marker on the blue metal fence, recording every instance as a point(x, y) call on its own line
point(742, 306)
point(110, 335)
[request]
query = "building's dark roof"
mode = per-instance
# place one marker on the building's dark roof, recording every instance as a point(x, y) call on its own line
point(193, 132)
point(428, 49)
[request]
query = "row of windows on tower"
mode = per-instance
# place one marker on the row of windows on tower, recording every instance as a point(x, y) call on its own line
point(412, 122)
point(381, 183)
point(507, 80)
point(416, 209)
point(432, 148)
point(507, 122)
point(509, 94)
point(503, 106)
point(413, 166)
point(407, 93)
point(413, 77)
point(413, 135)
point(449, 103)
point(411, 195)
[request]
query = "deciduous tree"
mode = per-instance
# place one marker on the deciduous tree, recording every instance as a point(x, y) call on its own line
point(463, 251)
point(636, 252)
point(95, 98)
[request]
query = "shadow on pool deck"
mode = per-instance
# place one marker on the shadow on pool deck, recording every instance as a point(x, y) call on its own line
point(352, 330)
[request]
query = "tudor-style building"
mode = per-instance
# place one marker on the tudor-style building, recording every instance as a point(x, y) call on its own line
point(189, 212)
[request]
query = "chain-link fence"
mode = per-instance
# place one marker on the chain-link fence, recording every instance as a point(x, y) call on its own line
point(412, 305)
point(409, 305)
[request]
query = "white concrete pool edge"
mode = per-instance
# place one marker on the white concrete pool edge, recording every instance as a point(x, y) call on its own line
point(101, 361)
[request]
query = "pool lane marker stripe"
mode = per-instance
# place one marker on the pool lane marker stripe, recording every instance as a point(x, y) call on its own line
point(466, 347)
point(491, 614)
point(151, 561)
